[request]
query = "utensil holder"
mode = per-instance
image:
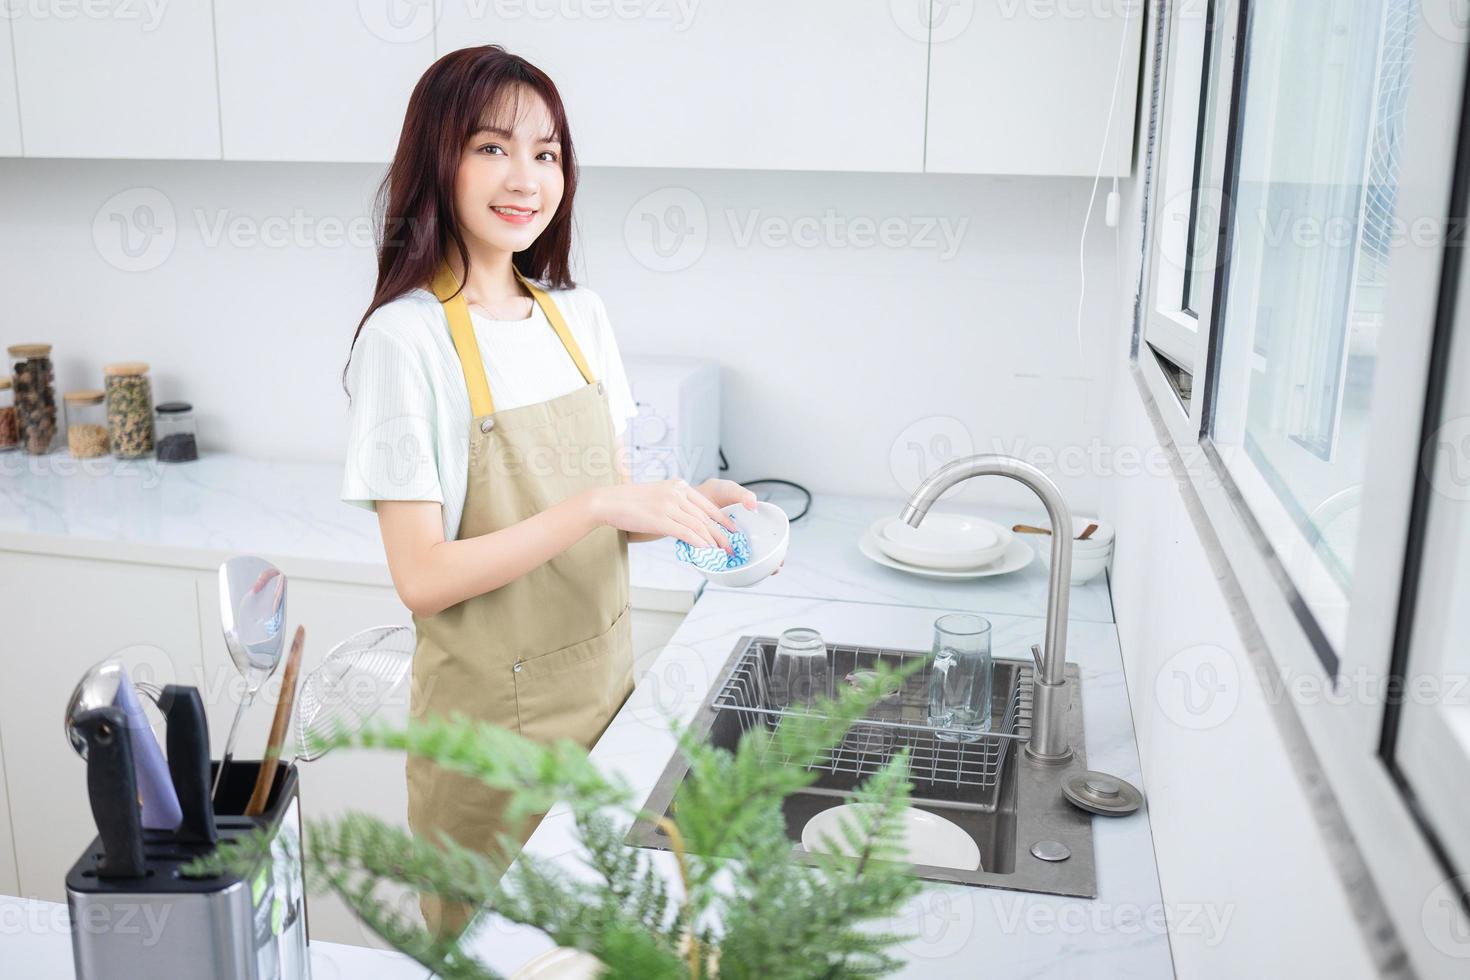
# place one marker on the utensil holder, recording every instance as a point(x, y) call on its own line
point(163, 926)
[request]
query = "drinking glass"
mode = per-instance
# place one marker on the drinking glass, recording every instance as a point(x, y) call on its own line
point(801, 671)
point(959, 677)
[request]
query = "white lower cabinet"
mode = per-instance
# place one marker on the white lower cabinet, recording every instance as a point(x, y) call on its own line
point(61, 616)
point(652, 630)
point(9, 881)
point(65, 614)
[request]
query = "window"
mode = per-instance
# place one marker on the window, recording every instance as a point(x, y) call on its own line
point(1199, 51)
point(1304, 331)
point(1430, 744)
point(1204, 206)
point(1313, 212)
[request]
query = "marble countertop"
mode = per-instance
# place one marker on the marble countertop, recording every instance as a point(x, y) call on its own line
point(824, 563)
point(36, 941)
point(194, 515)
point(958, 931)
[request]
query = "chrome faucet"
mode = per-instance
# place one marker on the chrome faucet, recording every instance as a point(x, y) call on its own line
point(1050, 699)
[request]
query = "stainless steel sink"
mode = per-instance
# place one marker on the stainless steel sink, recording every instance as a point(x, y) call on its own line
point(1004, 799)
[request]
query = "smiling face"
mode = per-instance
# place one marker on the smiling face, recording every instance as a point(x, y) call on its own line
point(510, 179)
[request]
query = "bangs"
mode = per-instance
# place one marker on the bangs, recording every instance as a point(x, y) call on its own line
point(510, 102)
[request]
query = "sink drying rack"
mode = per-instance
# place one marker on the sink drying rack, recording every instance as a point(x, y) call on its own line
point(898, 721)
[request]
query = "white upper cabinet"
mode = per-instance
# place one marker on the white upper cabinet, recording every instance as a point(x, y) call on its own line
point(1023, 86)
point(318, 81)
point(117, 78)
point(9, 105)
point(760, 84)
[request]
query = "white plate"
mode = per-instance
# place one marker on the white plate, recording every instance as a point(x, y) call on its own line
point(1018, 555)
point(928, 838)
point(944, 541)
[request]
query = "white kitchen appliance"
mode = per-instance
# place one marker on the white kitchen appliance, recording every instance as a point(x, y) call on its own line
point(677, 430)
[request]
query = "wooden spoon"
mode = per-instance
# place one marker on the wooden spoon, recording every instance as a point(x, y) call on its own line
point(271, 761)
point(1087, 532)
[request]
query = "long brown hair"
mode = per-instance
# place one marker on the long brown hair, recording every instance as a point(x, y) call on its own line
point(415, 217)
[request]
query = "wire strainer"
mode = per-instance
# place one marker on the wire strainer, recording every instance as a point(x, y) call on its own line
point(350, 685)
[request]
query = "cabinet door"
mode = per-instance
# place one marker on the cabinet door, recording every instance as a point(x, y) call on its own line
point(764, 84)
point(118, 78)
point(1024, 88)
point(367, 782)
point(316, 81)
point(61, 616)
point(9, 881)
point(9, 108)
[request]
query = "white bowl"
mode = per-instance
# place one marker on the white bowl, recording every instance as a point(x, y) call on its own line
point(1085, 566)
point(928, 838)
point(769, 532)
point(1101, 538)
point(947, 541)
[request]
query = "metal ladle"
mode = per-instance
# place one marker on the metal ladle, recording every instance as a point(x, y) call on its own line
point(98, 689)
point(252, 597)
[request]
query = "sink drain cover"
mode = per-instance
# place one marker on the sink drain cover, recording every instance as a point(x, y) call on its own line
point(1098, 792)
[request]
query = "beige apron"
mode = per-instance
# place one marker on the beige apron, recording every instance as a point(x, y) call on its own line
point(549, 655)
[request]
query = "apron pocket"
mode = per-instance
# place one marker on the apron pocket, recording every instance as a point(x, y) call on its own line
point(575, 691)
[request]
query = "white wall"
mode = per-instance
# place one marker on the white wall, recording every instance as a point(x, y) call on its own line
point(838, 341)
point(1235, 839)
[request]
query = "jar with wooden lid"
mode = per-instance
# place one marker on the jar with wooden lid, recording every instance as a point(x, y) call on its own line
point(34, 385)
point(9, 427)
point(129, 409)
point(86, 423)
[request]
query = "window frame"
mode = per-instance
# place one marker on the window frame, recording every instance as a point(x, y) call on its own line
point(1170, 336)
point(1340, 700)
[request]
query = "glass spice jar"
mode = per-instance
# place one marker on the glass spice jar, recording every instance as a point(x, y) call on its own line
point(35, 396)
point(129, 409)
point(9, 427)
point(86, 423)
point(173, 429)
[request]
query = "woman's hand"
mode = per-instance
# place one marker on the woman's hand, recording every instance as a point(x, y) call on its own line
point(723, 493)
point(668, 507)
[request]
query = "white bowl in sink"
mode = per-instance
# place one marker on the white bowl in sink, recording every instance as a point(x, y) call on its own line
point(928, 838)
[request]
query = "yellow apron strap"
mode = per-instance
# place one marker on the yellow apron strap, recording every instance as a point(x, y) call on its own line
point(559, 325)
point(457, 311)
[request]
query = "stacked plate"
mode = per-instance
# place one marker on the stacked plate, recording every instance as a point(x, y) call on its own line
point(945, 546)
point(1089, 556)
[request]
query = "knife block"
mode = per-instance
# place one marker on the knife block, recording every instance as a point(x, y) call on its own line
point(164, 926)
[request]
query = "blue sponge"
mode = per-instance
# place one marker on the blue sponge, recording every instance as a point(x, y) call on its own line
point(716, 559)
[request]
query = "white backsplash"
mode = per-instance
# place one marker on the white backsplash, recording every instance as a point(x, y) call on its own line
point(867, 324)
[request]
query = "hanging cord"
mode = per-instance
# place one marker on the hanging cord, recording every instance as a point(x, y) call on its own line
point(725, 467)
point(786, 483)
point(1102, 155)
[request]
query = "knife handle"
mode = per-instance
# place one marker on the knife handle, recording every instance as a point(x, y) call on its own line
point(112, 788)
point(188, 762)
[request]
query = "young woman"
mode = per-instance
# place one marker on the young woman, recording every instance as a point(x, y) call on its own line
point(488, 402)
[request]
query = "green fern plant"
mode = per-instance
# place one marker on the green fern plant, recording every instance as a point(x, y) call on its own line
point(746, 906)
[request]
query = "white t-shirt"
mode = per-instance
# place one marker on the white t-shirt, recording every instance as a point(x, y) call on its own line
point(410, 413)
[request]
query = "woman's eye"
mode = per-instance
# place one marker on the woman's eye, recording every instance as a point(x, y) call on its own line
point(492, 148)
point(548, 155)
